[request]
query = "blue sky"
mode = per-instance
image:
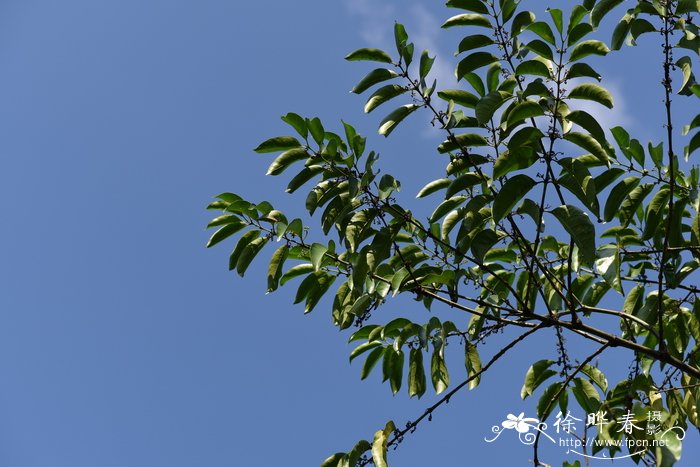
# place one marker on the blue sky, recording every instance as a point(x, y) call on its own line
point(123, 342)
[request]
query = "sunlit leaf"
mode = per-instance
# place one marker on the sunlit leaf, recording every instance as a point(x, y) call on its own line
point(467, 19)
point(601, 9)
point(383, 94)
point(373, 77)
point(538, 373)
point(592, 92)
point(375, 55)
point(394, 118)
point(585, 48)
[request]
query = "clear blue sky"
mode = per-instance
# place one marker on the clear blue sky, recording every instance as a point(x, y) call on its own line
point(123, 342)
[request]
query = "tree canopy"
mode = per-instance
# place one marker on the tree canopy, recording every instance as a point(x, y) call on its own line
point(544, 221)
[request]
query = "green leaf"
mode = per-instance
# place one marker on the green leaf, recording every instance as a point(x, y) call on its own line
point(538, 373)
point(633, 301)
point(578, 12)
point(557, 18)
point(249, 252)
point(621, 31)
point(274, 270)
point(510, 194)
point(432, 187)
point(520, 22)
point(296, 271)
point(438, 371)
point(379, 445)
point(286, 159)
point(524, 110)
point(547, 402)
point(473, 364)
point(226, 231)
point(617, 196)
point(590, 47)
point(508, 7)
point(588, 123)
point(602, 8)
point(223, 220)
point(463, 182)
point(317, 253)
point(641, 26)
point(306, 174)
point(297, 122)
point(493, 76)
point(371, 361)
point(356, 226)
point(465, 140)
point(686, 66)
point(374, 55)
point(589, 143)
point(354, 456)
point(592, 92)
point(398, 279)
point(693, 145)
point(363, 333)
point(482, 243)
point(596, 376)
point(476, 6)
point(473, 62)
point(295, 227)
point(392, 368)
point(586, 395)
point(373, 77)
point(687, 6)
point(334, 460)
point(426, 63)
point(316, 129)
point(578, 180)
point(463, 98)
point(475, 41)
point(475, 81)
point(467, 19)
point(394, 118)
point(508, 161)
point(365, 346)
point(670, 453)
point(581, 70)
point(581, 229)
point(540, 48)
point(596, 293)
point(279, 143)
point(445, 207)
point(534, 68)
point(543, 30)
point(416, 373)
point(630, 205)
point(241, 250)
point(382, 95)
point(654, 212)
point(488, 105)
point(693, 125)
point(608, 264)
point(579, 32)
point(525, 137)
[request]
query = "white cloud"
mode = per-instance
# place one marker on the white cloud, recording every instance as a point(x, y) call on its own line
point(425, 36)
point(376, 21)
point(376, 28)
